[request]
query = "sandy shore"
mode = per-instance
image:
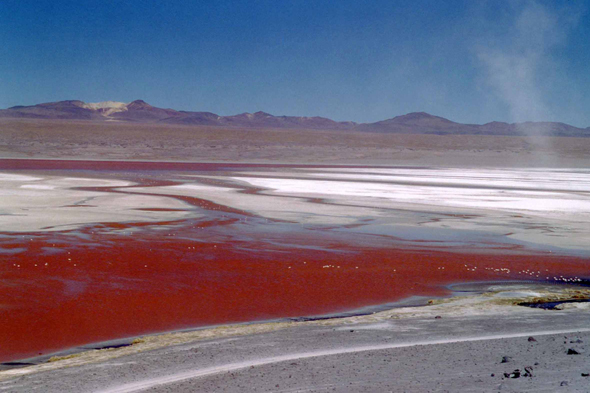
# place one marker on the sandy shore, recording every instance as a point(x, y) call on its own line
point(474, 342)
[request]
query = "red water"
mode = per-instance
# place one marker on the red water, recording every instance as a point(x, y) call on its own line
point(67, 289)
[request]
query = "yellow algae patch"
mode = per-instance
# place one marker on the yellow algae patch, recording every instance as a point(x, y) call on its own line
point(58, 358)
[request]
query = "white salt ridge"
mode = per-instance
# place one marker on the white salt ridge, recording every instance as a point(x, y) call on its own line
point(108, 107)
point(534, 201)
point(193, 187)
point(566, 180)
point(105, 105)
point(38, 186)
point(47, 204)
point(15, 177)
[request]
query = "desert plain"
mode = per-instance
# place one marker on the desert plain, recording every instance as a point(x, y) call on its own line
point(143, 257)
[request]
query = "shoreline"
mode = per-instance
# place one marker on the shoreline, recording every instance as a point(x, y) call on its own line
point(128, 341)
point(492, 307)
point(470, 288)
point(413, 301)
point(317, 258)
point(431, 289)
point(471, 161)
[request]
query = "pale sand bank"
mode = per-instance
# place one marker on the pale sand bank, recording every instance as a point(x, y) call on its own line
point(537, 207)
point(53, 203)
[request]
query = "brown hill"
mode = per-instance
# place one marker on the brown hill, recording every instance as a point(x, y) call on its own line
point(412, 123)
point(71, 109)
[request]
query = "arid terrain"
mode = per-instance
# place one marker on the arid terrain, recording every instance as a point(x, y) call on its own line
point(28, 138)
point(119, 231)
point(297, 197)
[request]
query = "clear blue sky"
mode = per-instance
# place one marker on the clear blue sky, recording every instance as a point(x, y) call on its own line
point(469, 61)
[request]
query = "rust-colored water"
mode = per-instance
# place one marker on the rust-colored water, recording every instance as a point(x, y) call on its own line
point(101, 282)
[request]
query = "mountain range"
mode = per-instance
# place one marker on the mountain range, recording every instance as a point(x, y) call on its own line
point(413, 123)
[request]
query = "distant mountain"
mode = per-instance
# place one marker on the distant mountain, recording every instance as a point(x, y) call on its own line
point(54, 110)
point(423, 123)
point(427, 124)
point(256, 120)
point(142, 112)
point(412, 123)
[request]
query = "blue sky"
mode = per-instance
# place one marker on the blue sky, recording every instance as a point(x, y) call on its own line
point(469, 61)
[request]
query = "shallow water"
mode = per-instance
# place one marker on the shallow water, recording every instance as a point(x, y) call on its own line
point(155, 256)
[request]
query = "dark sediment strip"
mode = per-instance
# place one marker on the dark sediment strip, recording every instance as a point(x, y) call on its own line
point(193, 201)
point(34, 164)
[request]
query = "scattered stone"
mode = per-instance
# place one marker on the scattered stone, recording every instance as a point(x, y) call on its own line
point(532, 339)
point(438, 317)
point(506, 359)
point(578, 341)
point(528, 372)
point(572, 352)
point(514, 374)
point(493, 375)
point(352, 331)
point(563, 383)
point(536, 364)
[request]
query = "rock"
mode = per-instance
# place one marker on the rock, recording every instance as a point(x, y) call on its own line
point(438, 317)
point(528, 372)
point(578, 341)
point(586, 374)
point(532, 339)
point(563, 383)
point(514, 374)
point(572, 352)
point(493, 375)
point(506, 359)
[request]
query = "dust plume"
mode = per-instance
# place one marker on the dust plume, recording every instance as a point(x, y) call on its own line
point(520, 62)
